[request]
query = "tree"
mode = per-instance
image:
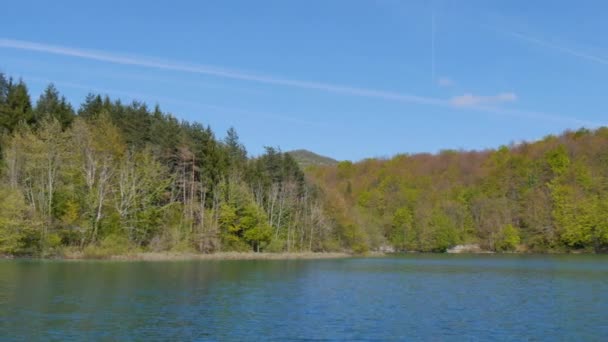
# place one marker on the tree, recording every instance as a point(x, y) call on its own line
point(537, 219)
point(256, 231)
point(443, 232)
point(120, 176)
point(99, 147)
point(141, 183)
point(231, 231)
point(402, 234)
point(4, 88)
point(14, 230)
point(508, 239)
point(236, 152)
point(34, 160)
point(50, 104)
point(17, 107)
point(92, 106)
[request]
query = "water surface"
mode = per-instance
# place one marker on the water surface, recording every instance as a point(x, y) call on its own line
point(418, 297)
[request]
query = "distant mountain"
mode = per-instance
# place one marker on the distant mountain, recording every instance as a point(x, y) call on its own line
point(306, 158)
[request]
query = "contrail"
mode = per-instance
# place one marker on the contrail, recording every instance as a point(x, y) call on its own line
point(553, 46)
point(271, 80)
point(219, 72)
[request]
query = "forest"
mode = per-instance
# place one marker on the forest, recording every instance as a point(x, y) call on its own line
point(109, 178)
point(547, 196)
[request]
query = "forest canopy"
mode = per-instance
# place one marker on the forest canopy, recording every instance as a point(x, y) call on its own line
point(110, 178)
point(550, 195)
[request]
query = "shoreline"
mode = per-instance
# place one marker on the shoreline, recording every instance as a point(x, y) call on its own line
point(177, 256)
point(190, 256)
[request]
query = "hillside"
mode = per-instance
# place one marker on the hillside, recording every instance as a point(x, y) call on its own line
point(307, 158)
point(549, 195)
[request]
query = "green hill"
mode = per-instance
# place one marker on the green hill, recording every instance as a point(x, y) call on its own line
point(307, 158)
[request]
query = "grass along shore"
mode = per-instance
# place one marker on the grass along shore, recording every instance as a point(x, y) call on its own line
point(167, 256)
point(177, 256)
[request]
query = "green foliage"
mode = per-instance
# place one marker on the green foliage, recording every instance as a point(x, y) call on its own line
point(276, 246)
point(13, 230)
point(345, 169)
point(16, 106)
point(355, 238)
point(508, 240)
point(4, 88)
point(111, 245)
point(121, 177)
point(228, 219)
point(235, 151)
point(244, 224)
point(402, 234)
point(558, 160)
point(51, 104)
point(580, 218)
point(443, 232)
point(307, 159)
point(547, 195)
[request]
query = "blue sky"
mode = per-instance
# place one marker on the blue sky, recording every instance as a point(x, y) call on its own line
point(348, 79)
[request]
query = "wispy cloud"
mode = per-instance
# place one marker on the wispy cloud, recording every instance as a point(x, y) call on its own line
point(550, 45)
point(468, 100)
point(445, 82)
point(215, 71)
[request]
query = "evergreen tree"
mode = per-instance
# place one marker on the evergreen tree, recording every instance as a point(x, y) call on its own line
point(52, 104)
point(92, 106)
point(4, 88)
point(17, 107)
point(235, 151)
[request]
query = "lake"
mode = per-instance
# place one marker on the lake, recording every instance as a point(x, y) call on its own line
point(413, 297)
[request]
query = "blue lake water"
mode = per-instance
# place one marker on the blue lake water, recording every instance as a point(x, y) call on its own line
point(414, 297)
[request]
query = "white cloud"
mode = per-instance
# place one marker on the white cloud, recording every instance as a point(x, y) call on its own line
point(445, 82)
point(469, 100)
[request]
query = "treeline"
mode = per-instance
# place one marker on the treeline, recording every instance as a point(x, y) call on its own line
point(110, 178)
point(550, 195)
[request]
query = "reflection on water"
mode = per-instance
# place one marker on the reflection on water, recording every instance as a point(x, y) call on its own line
point(425, 297)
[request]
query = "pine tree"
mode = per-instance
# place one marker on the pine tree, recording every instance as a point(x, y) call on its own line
point(236, 152)
point(17, 107)
point(51, 104)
